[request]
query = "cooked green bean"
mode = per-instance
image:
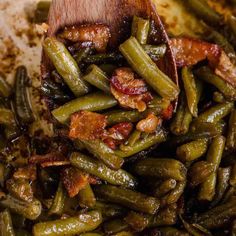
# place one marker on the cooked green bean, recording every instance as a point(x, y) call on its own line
point(41, 12)
point(231, 135)
point(142, 144)
point(225, 88)
point(91, 102)
point(214, 155)
point(86, 197)
point(232, 180)
point(58, 201)
point(134, 137)
point(140, 29)
point(96, 77)
point(6, 227)
point(115, 226)
point(129, 198)
point(5, 89)
point(162, 168)
point(137, 221)
point(69, 226)
point(170, 231)
point(215, 113)
point(155, 52)
point(7, 117)
point(174, 195)
point(146, 68)
point(200, 171)
point(94, 167)
point(65, 65)
point(83, 53)
point(190, 90)
point(101, 58)
point(223, 176)
point(204, 11)
point(193, 150)
point(165, 187)
point(22, 103)
point(30, 210)
point(218, 97)
point(100, 150)
point(181, 122)
point(217, 216)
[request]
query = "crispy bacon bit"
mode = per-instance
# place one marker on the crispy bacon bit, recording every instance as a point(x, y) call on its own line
point(123, 80)
point(117, 134)
point(191, 51)
point(149, 124)
point(97, 33)
point(27, 172)
point(87, 125)
point(50, 159)
point(74, 180)
point(168, 112)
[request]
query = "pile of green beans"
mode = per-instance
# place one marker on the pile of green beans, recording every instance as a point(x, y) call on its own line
point(179, 179)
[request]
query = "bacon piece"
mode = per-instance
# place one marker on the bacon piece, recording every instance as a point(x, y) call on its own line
point(27, 172)
point(117, 134)
point(123, 80)
point(168, 112)
point(50, 159)
point(97, 33)
point(74, 180)
point(87, 125)
point(149, 124)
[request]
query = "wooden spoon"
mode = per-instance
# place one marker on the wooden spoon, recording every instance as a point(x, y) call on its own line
point(117, 14)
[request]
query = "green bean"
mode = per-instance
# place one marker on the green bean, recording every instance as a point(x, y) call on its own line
point(6, 228)
point(165, 187)
point(215, 113)
point(129, 198)
point(142, 144)
point(183, 118)
point(223, 176)
point(91, 102)
point(109, 210)
point(115, 226)
point(137, 221)
point(113, 57)
point(5, 89)
point(124, 233)
point(200, 171)
point(30, 210)
point(229, 195)
point(155, 51)
point(58, 201)
point(86, 197)
point(7, 117)
point(69, 226)
point(41, 12)
point(232, 180)
point(225, 88)
point(94, 167)
point(65, 65)
point(214, 154)
point(134, 137)
point(162, 168)
point(96, 77)
point(174, 195)
point(101, 151)
point(108, 68)
point(146, 68)
point(204, 11)
point(190, 90)
point(22, 103)
point(231, 135)
point(218, 97)
point(217, 216)
point(170, 231)
point(193, 150)
point(11, 132)
point(140, 29)
point(83, 53)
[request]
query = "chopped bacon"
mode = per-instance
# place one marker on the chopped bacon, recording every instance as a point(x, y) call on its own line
point(189, 52)
point(87, 125)
point(117, 134)
point(168, 112)
point(50, 159)
point(74, 180)
point(123, 80)
point(97, 33)
point(27, 172)
point(149, 124)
